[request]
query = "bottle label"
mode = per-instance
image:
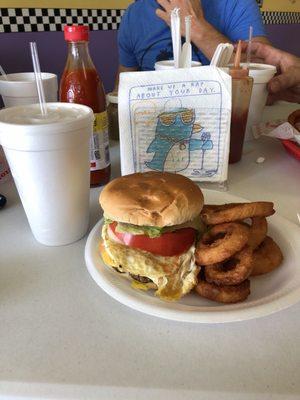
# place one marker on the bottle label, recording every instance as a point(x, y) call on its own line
point(4, 168)
point(99, 154)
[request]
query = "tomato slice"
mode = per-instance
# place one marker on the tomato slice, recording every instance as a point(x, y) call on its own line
point(168, 244)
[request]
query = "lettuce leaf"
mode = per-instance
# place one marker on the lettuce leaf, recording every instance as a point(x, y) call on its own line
point(155, 231)
point(108, 220)
point(151, 231)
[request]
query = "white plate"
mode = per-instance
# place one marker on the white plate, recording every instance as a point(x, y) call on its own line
point(269, 293)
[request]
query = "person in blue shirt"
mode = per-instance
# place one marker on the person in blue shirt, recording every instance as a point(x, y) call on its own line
point(145, 37)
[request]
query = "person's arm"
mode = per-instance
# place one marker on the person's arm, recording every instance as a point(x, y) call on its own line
point(203, 34)
point(286, 84)
point(261, 39)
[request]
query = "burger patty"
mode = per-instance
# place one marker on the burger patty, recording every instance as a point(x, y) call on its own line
point(140, 278)
point(118, 270)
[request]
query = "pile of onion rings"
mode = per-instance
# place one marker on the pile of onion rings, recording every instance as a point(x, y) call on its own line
point(234, 249)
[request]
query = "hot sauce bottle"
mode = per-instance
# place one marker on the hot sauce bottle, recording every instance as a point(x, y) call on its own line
point(242, 85)
point(81, 84)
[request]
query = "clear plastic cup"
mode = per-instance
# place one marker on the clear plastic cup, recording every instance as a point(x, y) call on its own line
point(20, 88)
point(49, 160)
point(169, 64)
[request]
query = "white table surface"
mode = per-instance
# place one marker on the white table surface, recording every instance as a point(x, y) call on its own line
point(62, 337)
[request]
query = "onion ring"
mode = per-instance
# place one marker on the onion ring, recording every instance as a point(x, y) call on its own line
point(219, 214)
point(232, 272)
point(224, 294)
point(258, 231)
point(220, 243)
point(266, 257)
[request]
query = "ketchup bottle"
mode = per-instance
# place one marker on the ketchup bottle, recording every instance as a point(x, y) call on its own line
point(81, 84)
point(242, 85)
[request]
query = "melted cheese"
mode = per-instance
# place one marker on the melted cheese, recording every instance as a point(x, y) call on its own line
point(173, 276)
point(139, 285)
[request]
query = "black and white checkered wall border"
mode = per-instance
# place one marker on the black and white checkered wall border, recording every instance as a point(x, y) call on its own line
point(54, 19)
point(277, 17)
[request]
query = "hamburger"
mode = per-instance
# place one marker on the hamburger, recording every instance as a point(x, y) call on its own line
point(151, 225)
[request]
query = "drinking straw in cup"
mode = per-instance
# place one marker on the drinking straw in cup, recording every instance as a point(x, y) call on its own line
point(249, 47)
point(38, 77)
point(47, 148)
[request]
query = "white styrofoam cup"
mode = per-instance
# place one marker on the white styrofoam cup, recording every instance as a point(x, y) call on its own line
point(49, 161)
point(169, 64)
point(20, 88)
point(262, 74)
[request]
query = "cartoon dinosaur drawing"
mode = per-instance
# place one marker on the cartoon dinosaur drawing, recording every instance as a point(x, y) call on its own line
point(173, 140)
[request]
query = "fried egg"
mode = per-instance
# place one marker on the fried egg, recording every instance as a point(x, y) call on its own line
point(174, 276)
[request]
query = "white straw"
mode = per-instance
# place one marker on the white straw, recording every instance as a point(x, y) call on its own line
point(3, 73)
point(38, 77)
point(249, 46)
point(176, 37)
point(186, 51)
point(188, 28)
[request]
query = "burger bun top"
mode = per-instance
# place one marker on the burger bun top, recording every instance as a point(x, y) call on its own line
point(152, 199)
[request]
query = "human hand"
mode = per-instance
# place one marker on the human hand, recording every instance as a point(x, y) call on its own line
point(187, 7)
point(286, 84)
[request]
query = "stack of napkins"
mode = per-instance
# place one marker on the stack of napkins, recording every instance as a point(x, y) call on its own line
point(176, 121)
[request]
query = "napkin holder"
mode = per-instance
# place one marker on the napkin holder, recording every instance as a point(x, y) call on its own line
point(176, 121)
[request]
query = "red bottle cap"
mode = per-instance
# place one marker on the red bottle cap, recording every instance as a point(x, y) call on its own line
point(76, 33)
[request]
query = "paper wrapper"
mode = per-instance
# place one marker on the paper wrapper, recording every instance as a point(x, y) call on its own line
point(280, 129)
point(176, 121)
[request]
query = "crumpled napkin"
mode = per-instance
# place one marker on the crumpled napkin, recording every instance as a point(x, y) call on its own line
point(280, 129)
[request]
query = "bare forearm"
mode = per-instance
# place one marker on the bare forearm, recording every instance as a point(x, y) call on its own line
point(206, 38)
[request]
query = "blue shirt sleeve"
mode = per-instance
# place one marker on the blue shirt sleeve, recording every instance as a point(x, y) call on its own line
point(239, 16)
point(125, 44)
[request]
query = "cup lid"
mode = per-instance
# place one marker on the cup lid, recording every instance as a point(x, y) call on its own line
point(112, 97)
point(24, 128)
